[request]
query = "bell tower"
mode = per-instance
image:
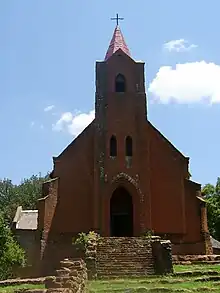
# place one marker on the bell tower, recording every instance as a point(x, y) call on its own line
point(119, 79)
point(120, 117)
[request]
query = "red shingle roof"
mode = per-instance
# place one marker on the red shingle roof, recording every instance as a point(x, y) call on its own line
point(117, 42)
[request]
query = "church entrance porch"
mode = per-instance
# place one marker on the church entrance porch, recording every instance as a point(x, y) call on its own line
point(121, 213)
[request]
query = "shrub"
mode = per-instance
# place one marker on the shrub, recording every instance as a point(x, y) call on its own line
point(11, 254)
point(148, 234)
point(84, 238)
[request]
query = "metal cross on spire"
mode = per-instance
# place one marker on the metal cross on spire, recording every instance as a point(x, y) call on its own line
point(117, 18)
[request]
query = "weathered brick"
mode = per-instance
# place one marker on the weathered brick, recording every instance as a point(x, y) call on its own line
point(156, 175)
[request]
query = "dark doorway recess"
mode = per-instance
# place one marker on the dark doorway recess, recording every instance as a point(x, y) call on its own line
point(121, 213)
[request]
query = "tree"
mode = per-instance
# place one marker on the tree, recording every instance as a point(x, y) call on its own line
point(25, 194)
point(212, 195)
point(29, 191)
point(11, 254)
point(7, 198)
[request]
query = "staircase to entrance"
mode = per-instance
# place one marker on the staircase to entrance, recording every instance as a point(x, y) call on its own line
point(124, 256)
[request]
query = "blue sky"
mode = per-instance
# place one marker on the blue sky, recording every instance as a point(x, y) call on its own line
point(48, 51)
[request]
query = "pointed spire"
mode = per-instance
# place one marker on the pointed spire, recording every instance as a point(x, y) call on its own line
point(117, 42)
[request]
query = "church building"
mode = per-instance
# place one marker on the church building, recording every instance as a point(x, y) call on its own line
point(120, 176)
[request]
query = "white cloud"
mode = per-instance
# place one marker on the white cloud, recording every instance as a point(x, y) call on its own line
point(180, 45)
point(74, 124)
point(49, 108)
point(187, 83)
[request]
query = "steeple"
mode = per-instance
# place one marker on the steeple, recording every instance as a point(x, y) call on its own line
point(117, 42)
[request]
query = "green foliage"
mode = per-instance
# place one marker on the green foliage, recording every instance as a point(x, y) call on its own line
point(148, 234)
point(212, 195)
point(25, 194)
point(11, 254)
point(84, 238)
point(80, 239)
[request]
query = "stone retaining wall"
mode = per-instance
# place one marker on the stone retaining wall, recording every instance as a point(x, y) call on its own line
point(70, 278)
point(162, 255)
point(196, 259)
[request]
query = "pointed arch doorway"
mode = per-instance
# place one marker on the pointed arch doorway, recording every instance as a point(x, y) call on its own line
point(121, 213)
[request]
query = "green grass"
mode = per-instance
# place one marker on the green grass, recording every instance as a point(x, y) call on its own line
point(11, 289)
point(171, 283)
point(205, 267)
point(123, 285)
point(160, 284)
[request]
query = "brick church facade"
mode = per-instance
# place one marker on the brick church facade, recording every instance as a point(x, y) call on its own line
point(121, 176)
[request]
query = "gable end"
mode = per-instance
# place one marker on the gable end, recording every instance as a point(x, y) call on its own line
point(169, 144)
point(77, 140)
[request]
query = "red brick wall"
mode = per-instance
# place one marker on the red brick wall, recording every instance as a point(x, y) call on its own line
point(66, 210)
point(74, 167)
point(46, 213)
point(122, 115)
point(57, 250)
point(157, 168)
point(88, 176)
point(167, 169)
point(188, 248)
point(105, 203)
point(193, 213)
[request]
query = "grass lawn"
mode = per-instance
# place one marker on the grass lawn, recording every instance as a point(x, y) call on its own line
point(161, 284)
point(205, 267)
point(172, 283)
point(10, 289)
point(141, 285)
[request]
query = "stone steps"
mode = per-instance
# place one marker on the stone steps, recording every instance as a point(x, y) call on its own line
point(123, 268)
point(123, 274)
point(208, 262)
point(198, 273)
point(123, 265)
point(124, 257)
point(196, 258)
point(132, 253)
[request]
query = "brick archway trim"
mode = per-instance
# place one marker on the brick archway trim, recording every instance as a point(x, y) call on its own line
point(125, 177)
point(132, 186)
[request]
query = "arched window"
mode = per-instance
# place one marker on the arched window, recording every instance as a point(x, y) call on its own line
point(113, 146)
point(128, 146)
point(120, 84)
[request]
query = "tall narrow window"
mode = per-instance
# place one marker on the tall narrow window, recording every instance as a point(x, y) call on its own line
point(129, 148)
point(120, 83)
point(113, 146)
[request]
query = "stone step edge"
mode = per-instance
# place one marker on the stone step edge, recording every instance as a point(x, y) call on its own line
point(196, 262)
point(30, 281)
